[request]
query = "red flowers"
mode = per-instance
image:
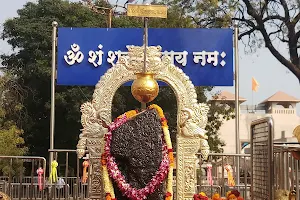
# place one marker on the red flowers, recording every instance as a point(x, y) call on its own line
point(236, 193)
point(116, 175)
point(200, 197)
point(111, 170)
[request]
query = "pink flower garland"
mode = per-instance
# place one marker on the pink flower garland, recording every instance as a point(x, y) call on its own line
point(114, 172)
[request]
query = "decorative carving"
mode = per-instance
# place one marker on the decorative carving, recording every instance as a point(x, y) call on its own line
point(189, 177)
point(81, 147)
point(191, 118)
point(200, 111)
point(136, 59)
point(188, 127)
point(96, 190)
point(4, 196)
point(204, 147)
point(186, 167)
point(92, 128)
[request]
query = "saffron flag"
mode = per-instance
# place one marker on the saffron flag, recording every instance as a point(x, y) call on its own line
point(255, 84)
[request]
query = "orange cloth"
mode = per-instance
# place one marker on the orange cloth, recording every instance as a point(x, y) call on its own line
point(255, 85)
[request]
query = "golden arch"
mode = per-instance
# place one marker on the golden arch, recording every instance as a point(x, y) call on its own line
point(188, 141)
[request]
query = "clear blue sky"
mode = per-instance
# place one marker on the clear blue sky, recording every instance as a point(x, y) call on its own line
point(269, 73)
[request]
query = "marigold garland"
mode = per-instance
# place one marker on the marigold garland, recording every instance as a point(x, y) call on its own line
point(110, 168)
point(165, 127)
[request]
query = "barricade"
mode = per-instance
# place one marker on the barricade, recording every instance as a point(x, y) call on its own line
point(69, 168)
point(15, 184)
point(223, 166)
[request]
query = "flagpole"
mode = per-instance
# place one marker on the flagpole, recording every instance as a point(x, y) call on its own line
point(252, 101)
point(237, 110)
point(53, 77)
point(237, 107)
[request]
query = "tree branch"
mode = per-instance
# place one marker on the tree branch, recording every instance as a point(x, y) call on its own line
point(264, 8)
point(296, 19)
point(248, 32)
point(286, 10)
point(247, 21)
point(252, 12)
point(274, 17)
point(297, 35)
point(274, 32)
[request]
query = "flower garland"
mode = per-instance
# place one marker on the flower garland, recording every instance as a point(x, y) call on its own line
point(165, 127)
point(110, 168)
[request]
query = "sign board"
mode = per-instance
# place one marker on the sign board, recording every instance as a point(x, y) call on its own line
point(85, 54)
point(159, 11)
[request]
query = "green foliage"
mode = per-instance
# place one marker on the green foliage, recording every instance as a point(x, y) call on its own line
point(11, 141)
point(218, 114)
point(206, 13)
point(30, 33)
point(30, 67)
point(11, 144)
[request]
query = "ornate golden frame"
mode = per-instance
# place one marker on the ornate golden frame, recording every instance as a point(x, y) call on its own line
point(192, 117)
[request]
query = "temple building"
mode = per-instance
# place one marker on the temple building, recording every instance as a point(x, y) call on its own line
point(280, 106)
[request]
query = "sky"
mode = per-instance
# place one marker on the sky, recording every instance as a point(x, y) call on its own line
point(271, 75)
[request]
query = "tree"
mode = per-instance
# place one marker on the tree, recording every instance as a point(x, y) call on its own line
point(11, 141)
point(205, 13)
point(262, 22)
point(30, 34)
point(217, 115)
point(269, 21)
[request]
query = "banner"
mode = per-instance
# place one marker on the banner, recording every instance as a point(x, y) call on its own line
point(85, 54)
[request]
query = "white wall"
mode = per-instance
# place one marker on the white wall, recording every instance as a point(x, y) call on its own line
point(282, 122)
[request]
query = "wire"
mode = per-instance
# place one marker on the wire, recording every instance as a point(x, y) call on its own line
point(83, 94)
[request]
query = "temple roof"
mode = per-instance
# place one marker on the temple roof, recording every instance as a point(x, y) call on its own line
point(226, 96)
point(281, 97)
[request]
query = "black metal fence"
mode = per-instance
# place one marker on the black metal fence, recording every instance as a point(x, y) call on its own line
point(20, 179)
point(14, 182)
point(219, 175)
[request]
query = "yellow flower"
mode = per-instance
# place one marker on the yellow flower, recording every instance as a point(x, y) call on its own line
point(158, 109)
point(216, 196)
point(171, 158)
point(167, 137)
point(203, 194)
point(170, 180)
point(129, 114)
point(228, 193)
point(108, 186)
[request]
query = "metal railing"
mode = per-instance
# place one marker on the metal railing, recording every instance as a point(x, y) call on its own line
point(21, 180)
point(219, 174)
point(287, 168)
point(72, 188)
point(13, 184)
point(24, 184)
